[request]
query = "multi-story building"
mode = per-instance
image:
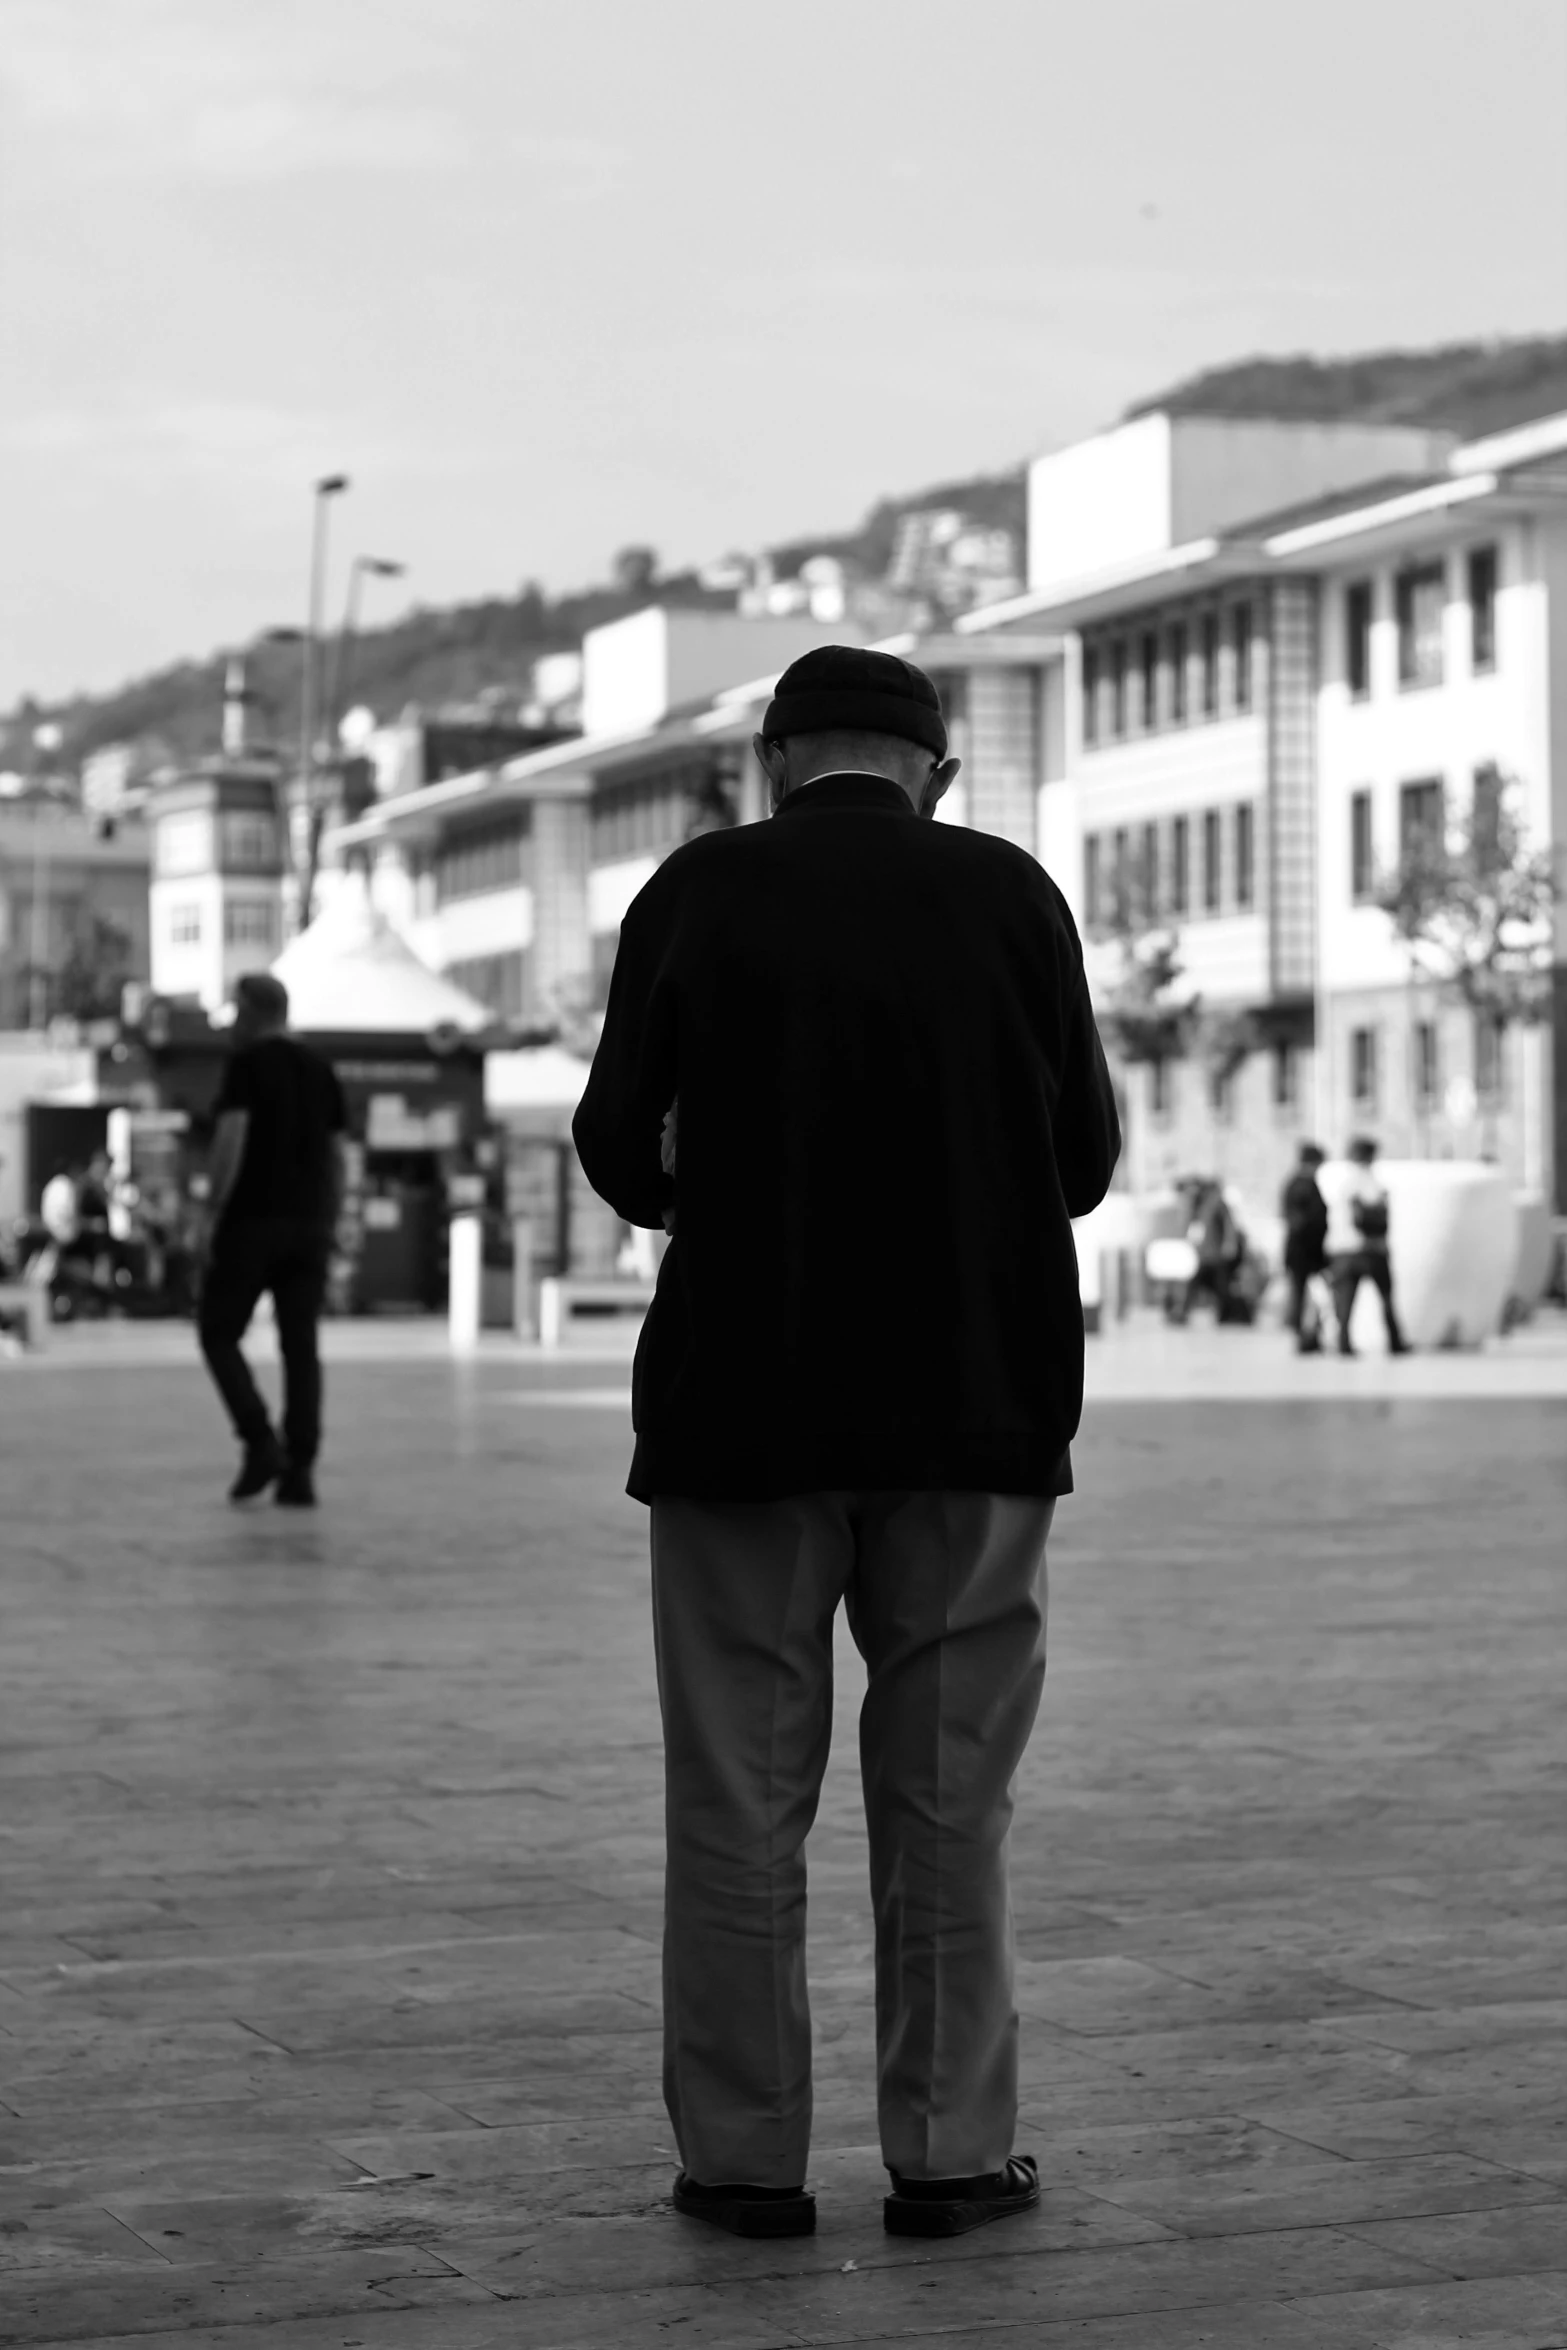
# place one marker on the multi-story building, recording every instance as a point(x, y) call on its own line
point(73, 911)
point(217, 878)
point(1288, 649)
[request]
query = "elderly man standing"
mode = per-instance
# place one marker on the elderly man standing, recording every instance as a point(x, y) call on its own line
point(858, 1381)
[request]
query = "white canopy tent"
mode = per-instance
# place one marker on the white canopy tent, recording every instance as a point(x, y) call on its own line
point(352, 973)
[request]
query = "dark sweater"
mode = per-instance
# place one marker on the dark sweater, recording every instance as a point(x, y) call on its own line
point(892, 1098)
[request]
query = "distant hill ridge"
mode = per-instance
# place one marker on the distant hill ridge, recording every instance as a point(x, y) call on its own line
point(457, 654)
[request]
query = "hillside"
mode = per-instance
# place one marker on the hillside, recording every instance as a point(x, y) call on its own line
point(454, 655)
point(486, 649)
point(1469, 388)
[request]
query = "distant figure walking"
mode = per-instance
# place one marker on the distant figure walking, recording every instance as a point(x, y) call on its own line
point(1357, 1240)
point(1305, 1247)
point(276, 1186)
point(858, 1382)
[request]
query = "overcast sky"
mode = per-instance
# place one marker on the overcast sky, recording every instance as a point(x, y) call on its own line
point(548, 276)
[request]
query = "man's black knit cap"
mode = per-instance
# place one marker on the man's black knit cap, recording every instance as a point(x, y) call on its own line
point(844, 686)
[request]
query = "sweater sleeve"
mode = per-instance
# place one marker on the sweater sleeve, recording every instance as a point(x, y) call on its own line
point(1087, 1127)
point(619, 1120)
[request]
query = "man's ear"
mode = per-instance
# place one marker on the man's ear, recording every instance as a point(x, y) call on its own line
point(941, 781)
point(774, 763)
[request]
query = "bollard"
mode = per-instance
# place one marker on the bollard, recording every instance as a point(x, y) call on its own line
point(465, 1282)
point(522, 1277)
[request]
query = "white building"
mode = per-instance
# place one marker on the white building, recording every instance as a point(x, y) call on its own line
point(1288, 646)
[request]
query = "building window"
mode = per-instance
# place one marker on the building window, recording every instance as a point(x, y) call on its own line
point(1221, 1094)
point(1428, 1076)
point(184, 926)
point(1362, 858)
point(1090, 693)
point(1245, 854)
point(487, 857)
point(1120, 878)
point(1422, 603)
point(1178, 673)
point(1093, 883)
point(1162, 1088)
point(249, 842)
point(1240, 630)
point(1358, 607)
point(496, 981)
point(249, 922)
point(1286, 1077)
point(1486, 823)
point(1148, 662)
point(185, 842)
point(1363, 1067)
point(1118, 688)
point(1482, 576)
point(1212, 862)
point(1490, 1059)
point(1148, 873)
point(646, 815)
point(1420, 822)
point(1210, 663)
point(1180, 865)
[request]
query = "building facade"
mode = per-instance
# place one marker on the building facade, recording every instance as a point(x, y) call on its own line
point(1270, 698)
point(73, 912)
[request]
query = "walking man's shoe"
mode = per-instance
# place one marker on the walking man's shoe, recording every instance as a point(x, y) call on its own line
point(748, 2211)
point(950, 2207)
point(262, 1466)
point(296, 1488)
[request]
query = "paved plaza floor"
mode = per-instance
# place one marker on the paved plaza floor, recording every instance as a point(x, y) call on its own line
point(331, 1859)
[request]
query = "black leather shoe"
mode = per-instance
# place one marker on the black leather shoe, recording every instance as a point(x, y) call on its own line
point(748, 2211)
point(296, 1488)
point(262, 1466)
point(950, 2207)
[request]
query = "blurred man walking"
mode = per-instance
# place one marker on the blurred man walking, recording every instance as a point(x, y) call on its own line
point(1305, 1247)
point(275, 1191)
point(859, 1381)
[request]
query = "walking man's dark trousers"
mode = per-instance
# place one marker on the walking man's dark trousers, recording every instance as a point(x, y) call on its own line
point(288, 1257)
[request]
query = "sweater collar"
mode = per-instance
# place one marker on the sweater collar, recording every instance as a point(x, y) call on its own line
point(849, 789)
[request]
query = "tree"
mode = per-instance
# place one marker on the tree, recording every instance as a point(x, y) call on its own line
point(1146, 1015)
point(89, 983)
point(635, 570)
point(1472, 904)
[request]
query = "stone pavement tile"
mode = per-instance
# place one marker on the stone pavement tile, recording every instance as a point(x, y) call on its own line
point(250, 2166)
point(1478, 2243)
point(1002, 2278)
point(185, 1940)
point(362, 2285)
point(1339, 2194)
point(1219, 2146)
point(70, 2235)
point(516, 2149)
point(1117, 1993)
point(1239, 2063)
point(1444, 2031)
point(1419, 2124)
point(412, 2024)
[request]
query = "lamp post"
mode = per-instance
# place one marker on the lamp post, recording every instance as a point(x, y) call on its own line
point(363, 566)
point(330, 485)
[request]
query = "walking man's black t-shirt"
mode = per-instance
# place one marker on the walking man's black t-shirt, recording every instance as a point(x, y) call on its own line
point(295, 1106)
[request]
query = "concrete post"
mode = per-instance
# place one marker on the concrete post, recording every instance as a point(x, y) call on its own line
point(522, 1317)
point(465, 1282)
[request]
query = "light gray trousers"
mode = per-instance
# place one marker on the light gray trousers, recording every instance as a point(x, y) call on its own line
point(946, 1599)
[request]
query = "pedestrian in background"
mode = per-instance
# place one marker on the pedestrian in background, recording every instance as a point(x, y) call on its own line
point(275, 1188)
point(858, 1381)
point(1305, 1214)
point(1357, 1240)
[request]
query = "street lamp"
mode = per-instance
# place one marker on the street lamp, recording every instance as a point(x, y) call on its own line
point(329, 486)
point(363, 567)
